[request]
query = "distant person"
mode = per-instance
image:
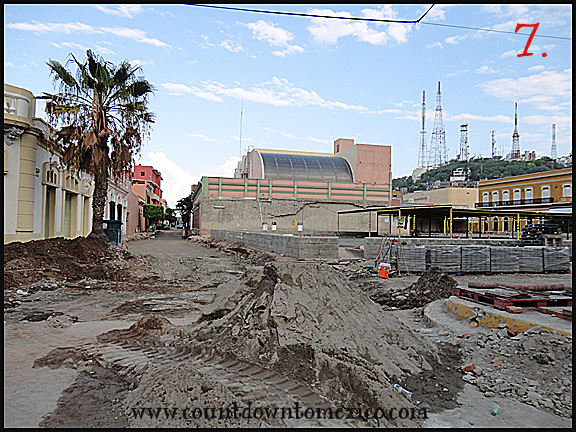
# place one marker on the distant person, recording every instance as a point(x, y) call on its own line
point(184, 233)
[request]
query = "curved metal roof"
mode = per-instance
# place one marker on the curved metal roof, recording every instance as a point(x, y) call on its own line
point(306, 167)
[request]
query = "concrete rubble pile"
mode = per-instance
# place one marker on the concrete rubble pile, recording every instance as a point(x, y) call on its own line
point(534, 367)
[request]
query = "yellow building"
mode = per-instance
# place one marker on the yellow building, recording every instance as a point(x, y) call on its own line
point(550, 191)
point(42, 199)
point(539, 191)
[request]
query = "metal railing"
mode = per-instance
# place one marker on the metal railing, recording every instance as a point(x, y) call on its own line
point(515, 202)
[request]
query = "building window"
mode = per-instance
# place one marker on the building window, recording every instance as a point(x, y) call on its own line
point(485, 197)
point(517, 196)
point(567, 191)
point(545, 192)
point(495, 198)
point(529, 194)
point(142, 173)
point(505, 197)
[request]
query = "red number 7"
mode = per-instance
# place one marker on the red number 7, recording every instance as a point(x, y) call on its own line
point(518, 27)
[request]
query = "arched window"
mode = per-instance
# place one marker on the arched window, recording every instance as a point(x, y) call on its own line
point(485, 197)
point(517, 196)
point(529, 195)
point(505, 197)
point(495, 198)
point(545, 193)
point(506, 224)
point(567, 191)
point(495, 224)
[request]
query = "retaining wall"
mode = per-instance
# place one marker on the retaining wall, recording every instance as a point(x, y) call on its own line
point(303, 247)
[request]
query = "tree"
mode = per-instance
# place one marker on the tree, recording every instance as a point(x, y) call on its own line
point(99, 117)
point(153, 212)
point(184, 206)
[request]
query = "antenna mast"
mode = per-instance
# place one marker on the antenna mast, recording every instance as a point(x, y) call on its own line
point(422, 156)
point(494, 150)
point(241, 113)
point(439, 151)
point(554, 152)
point(464, 142)
point(515, 154)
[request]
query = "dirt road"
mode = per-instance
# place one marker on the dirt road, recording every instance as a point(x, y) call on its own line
point(180, 325)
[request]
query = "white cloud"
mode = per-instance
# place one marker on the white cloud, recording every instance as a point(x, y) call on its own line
point(511, 53)
point(137, 62)
point(275, 37)
point(474, 117)
point(202, 137)
point(435, 45)
point(328, 31)
point(68, 28)
point(181, 89)
point(176, 181)
point(486, 70)
point(123, 10)
point(548, 83)
point(227, 168)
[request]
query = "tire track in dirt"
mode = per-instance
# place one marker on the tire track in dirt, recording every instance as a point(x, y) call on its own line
point(248, 381)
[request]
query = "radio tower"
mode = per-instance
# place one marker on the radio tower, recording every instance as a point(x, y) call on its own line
point(494, 150)
point(553, 152)
point(515, 154)
point(438, 150)
point(422, 155)
point(463, 142)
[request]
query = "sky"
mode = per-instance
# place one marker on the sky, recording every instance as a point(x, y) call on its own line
point(227, 81)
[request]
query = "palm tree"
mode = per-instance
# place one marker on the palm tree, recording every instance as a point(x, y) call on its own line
point(99, 117)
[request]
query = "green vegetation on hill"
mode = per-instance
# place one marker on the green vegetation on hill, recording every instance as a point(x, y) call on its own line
point(479, 169)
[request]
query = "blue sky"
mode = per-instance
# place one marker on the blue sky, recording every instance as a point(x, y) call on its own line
point(303, 82)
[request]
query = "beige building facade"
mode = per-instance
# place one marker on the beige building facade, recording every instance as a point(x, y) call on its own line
point(458, 197)
point(42, 199)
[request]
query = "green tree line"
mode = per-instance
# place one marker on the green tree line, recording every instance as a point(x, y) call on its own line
point(478, 169)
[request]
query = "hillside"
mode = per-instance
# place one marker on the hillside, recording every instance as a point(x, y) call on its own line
point(482, 168)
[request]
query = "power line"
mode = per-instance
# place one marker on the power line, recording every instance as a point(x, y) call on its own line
point(418, 21)
point(313, 15)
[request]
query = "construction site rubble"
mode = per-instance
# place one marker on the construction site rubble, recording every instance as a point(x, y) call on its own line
point(434, 284)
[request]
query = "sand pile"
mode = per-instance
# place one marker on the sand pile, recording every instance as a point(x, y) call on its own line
point(308, 322)
point(432, 285)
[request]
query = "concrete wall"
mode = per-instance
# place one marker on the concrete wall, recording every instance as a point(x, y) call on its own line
point(316, 216)
point(303, 247)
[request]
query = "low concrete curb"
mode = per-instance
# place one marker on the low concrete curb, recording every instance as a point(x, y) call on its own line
point(475, 314)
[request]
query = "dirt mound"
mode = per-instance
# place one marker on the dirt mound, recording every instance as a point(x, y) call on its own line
point(247, 254)
point(308, 322)
point(432, 285)
point(60, 259)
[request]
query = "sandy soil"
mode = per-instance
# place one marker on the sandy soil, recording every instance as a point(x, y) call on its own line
point(100, 336)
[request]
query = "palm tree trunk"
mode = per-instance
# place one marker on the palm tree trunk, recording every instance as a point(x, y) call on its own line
point(99, 203)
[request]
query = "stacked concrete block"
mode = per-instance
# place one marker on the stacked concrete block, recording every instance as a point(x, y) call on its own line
point(504, 259)
point(411, 258)
point(447, 258)
point(556, 258)
point(531, 259)
point(475, 259)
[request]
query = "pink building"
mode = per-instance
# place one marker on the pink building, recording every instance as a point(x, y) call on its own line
point(146, 182)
